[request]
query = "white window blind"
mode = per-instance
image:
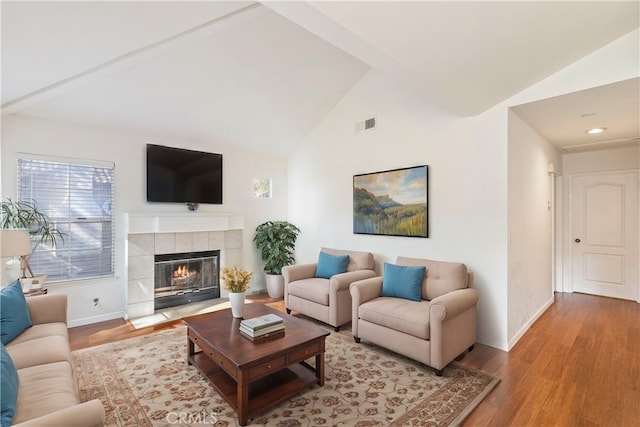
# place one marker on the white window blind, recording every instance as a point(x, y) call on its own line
point(78, 197)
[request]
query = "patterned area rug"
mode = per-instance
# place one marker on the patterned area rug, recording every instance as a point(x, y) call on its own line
point(146, 381)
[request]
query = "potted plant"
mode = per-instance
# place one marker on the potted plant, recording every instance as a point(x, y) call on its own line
point(276, 242)
point(236, 282)
point(27, 215)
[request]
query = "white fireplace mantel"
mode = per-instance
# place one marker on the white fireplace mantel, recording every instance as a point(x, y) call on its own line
point(178, 223)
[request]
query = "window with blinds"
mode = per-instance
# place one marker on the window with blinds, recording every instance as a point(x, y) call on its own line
point(78, 197)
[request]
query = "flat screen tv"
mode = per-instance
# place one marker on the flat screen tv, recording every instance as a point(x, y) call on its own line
point(177, 175)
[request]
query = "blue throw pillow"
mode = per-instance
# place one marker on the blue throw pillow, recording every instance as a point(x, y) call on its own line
point(8, 387)
point(14, 313)
point(402, 282)
point(330, 265)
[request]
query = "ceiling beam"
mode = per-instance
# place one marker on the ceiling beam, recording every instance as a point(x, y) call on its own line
point(305, 15)
point(134, 57)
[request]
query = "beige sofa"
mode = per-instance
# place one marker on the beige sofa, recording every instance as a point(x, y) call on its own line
point(435, 330)
point(47, 390)
point(326, 300)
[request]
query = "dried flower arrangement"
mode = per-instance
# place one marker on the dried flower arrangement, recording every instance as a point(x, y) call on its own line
point(236, 280)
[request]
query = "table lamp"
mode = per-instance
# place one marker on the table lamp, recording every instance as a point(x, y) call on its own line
point(14, 243)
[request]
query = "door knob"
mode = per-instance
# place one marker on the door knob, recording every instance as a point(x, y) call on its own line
point(577, 240)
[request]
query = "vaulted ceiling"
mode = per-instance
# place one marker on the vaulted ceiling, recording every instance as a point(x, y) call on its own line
point(263, 75)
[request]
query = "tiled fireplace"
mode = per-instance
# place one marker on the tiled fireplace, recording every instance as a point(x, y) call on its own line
point(185, 277)
point(154, 237)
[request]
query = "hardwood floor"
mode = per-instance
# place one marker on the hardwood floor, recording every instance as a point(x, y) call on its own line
point(578, 365)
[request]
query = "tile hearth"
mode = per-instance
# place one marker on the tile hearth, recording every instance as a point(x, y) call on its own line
point(174, 313)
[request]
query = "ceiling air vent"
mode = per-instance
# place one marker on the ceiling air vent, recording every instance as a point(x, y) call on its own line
point(368, 124)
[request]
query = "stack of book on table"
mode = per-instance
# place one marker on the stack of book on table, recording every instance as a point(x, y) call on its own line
point(262, 326)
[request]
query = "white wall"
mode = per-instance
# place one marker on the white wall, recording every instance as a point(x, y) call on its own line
point(468, 202)
point(618, 61)
point(127, 151)
point(530, 211)
point(617, 159)
point(467, 186)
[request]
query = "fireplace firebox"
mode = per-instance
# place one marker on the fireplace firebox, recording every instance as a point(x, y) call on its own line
point(187, 277)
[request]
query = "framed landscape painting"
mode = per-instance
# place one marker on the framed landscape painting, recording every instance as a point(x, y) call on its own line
point(391, 203)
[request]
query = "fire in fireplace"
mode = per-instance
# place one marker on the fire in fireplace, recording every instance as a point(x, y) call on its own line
point(186, 277)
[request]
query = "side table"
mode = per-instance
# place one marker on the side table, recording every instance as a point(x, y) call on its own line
point(34, 292)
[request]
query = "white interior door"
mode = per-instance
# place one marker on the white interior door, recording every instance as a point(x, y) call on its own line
point(604, 226)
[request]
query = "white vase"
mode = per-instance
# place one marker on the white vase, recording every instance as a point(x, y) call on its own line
point(237, 304)
point(275, 285)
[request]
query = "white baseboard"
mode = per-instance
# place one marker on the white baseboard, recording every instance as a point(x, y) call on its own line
point(95, 319)
point(531, 321)
point(497, 344)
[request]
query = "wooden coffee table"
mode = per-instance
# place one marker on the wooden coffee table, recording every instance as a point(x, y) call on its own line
point(255, 375)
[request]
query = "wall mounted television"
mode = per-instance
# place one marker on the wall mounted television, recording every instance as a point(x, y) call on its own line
point(178, 175)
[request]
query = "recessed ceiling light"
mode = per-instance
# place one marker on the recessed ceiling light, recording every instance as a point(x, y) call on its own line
point(594, 131)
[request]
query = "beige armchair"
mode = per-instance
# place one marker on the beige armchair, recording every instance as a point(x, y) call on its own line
point(325, 299)
point(434, 330)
